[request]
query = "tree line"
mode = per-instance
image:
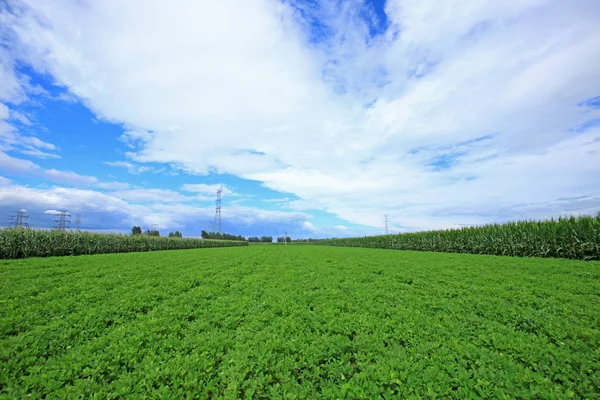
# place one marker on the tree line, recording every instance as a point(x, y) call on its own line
point(221, 236)
point(136, 230)
point(262, 239)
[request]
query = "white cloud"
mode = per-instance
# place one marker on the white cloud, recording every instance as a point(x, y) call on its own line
point(110, 211)
point(485, 90)
point(11, 88)
point(69, 177)
point(136, 169)
point(208, 191)
point(30, 169)
point(13, 140)
point(112, 185)
point(123, 164)
point(17, 164)
point(151, 195)
point(32, 151)
point(22, 118)
point(52, 212)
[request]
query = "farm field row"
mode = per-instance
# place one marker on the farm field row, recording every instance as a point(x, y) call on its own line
point(24, 243)
point(299, 322)
point(577, 238)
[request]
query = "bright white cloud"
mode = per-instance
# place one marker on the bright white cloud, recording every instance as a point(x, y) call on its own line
point(470, 103)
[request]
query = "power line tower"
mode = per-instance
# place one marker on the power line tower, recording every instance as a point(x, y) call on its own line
point(217, 222)
point(386, 223)
point(19, 220)
point(77, 221)
point(62, 222)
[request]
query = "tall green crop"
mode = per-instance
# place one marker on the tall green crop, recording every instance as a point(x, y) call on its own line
point(23, 243)
point(569, 237)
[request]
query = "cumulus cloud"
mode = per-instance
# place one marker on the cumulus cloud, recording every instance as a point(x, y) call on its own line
point(119, 211)
point(459, 113)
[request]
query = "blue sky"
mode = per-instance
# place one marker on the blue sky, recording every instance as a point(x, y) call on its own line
point(315, 117)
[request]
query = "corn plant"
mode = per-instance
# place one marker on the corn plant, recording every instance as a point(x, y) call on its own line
point(565, 237)
point(23, 243)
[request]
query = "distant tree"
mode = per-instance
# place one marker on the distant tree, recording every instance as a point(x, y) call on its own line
point(149, 232)
point(178, 234)
point(280, 239)
point(288, 239)
point(266, 239)
point(136, 230)
point(218, 236)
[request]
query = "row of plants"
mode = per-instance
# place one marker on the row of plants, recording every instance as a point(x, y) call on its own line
point(568, 237)
point(23, 243)
point(299, 322)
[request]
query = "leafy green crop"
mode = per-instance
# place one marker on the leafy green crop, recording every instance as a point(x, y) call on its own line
point(23, 243)
point(299, 322)
point(574, 237)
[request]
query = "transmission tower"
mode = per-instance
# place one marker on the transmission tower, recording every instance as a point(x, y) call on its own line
point(386, 223)
point(217, 222)
point(77, 221)
point(62, 222)
point(19, 220)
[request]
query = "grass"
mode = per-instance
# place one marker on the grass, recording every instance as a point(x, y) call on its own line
point(299, 322)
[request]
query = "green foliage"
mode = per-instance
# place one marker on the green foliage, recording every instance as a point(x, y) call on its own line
point(304, 322)
point(262, 239)
point(151, 232)
point(23, 243)
point(175, 234)
point(136, 230)
point(221, 236)
point(573, 237)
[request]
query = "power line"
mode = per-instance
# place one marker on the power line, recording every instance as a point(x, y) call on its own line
point(19, 220)
point(386, 223)
point(61, 223)
point(217, 221)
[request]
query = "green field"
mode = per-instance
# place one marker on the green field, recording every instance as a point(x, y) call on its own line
point(299, 322)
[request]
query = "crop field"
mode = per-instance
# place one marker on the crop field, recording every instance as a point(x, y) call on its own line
point(24, 243)
point(299, 322)
point(572, 237)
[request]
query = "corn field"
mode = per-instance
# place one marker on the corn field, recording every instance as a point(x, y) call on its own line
point(569, 237)
point(23, 243)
